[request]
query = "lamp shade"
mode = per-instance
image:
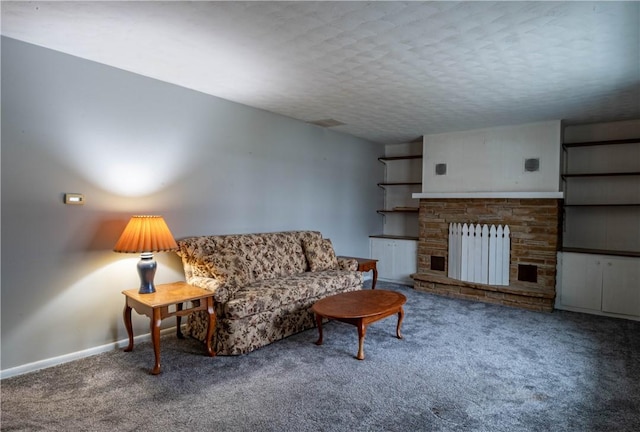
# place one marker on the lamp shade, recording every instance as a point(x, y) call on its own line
point(146, 234)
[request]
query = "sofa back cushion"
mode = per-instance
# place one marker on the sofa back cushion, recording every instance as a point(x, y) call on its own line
point(320, 254)
point(229, 268)
point(263, 256)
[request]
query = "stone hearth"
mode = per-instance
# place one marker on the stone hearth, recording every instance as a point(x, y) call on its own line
point(535, 226)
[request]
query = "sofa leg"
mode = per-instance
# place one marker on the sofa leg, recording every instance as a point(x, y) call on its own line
point(319, 324)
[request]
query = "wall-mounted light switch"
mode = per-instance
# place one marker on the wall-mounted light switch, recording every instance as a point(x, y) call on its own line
point(74, 198)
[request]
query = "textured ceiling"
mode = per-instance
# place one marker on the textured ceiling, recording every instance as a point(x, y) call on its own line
point(391, 71)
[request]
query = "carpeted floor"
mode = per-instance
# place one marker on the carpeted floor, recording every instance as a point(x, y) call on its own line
point(462, 366)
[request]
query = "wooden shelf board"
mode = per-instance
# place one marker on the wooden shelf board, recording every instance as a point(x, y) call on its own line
point(488, 194)
point(393, 158)
point(393, 237)
point(608, 174)
point(601, 143)
point(601, 251)
point(399, 211)
point(603, 205)
point(400, 184)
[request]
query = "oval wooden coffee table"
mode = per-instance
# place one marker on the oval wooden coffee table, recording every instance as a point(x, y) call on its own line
point(360, 308)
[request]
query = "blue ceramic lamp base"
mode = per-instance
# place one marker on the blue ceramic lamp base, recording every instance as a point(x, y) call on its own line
point(147, 270)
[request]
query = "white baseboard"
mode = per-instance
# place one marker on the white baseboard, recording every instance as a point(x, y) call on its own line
point(53, 361)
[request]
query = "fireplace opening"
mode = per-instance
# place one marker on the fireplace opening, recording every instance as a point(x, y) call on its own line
point(479, 253)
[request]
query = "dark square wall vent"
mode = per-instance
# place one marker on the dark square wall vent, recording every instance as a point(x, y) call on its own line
point(527, 273)
point(441, 169)
point(437, 263)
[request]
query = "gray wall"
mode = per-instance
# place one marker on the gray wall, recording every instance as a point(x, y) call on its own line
point(134, 145)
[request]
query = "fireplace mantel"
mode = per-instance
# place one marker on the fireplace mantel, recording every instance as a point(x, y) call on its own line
point(489, 195)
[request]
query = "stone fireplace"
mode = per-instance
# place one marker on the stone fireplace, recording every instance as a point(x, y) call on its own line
point(535, 225)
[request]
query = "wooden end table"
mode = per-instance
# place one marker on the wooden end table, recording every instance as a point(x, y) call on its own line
point(157, 307)
point(365, 265)
point(360, 308)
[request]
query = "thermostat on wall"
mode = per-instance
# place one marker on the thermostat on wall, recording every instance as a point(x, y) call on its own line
point(74, 198)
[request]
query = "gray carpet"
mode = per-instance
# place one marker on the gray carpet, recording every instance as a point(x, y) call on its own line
point(462, 366)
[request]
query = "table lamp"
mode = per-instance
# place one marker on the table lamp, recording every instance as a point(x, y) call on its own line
point(145, 235)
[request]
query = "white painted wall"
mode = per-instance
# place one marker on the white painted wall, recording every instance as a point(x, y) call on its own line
point(492, 159)
point(136, 145)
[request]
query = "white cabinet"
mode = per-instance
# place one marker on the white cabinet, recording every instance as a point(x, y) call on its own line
point(397, 259)
point(621, 286)
point(605, 284)
point(581, 281)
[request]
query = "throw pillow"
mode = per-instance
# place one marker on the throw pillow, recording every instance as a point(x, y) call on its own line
point(229, 268)
point(320, 254)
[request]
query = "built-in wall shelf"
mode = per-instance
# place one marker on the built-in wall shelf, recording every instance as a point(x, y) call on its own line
point(402, 177)
point(599, 260)
point(601, 180)
point(601, 252)
point(396, 249)
point(393, 237)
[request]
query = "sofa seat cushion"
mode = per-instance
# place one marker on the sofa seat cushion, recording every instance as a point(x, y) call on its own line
point(272, 294)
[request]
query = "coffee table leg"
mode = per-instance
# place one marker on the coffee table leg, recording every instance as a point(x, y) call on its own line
point(362, 330)
point(319, 324)
point(400, 318)
point(155, 338)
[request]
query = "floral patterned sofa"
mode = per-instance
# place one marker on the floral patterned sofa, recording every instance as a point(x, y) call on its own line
point(264, 284)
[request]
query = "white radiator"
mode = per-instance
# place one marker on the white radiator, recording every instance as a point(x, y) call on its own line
point(479, 254)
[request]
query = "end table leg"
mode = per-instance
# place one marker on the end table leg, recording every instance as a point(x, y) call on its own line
point(155, 338)
point(179, 321)
point(211, 327)
point(127, 324)
point(362, 330)
point(400, 318)
point(375, 278)
point(319, 323)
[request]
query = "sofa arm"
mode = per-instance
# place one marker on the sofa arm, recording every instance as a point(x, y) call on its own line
point(221, 293)
point(347, 264)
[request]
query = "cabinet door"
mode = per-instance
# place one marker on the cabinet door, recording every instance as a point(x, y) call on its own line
point(405, 260)
point(382, 250)
point(621, 286)
point(581, 281)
